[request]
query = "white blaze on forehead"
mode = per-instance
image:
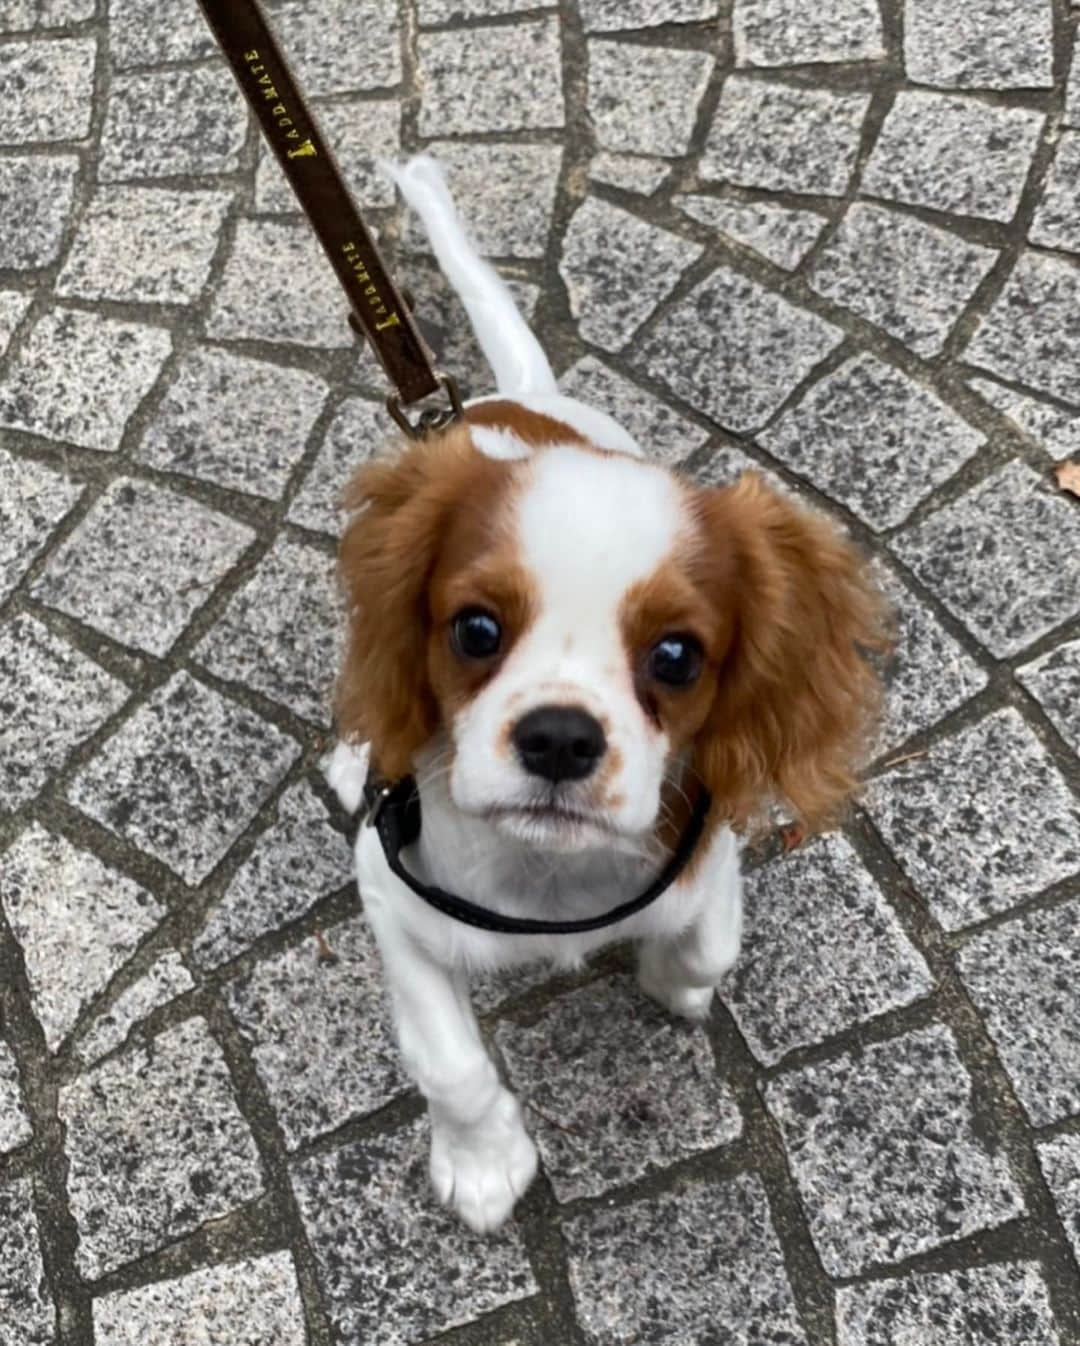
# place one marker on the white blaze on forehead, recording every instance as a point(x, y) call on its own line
point(591, 525)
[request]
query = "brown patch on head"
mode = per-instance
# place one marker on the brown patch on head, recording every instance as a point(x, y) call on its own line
point(794, 694)
point(428, 538)
point(531, 427)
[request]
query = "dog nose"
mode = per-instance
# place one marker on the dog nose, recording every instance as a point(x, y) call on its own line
point(559, 742)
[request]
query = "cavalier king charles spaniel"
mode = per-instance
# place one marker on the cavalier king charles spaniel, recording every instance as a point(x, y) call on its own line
point(565, 645)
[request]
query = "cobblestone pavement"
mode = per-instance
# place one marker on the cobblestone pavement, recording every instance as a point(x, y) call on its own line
point(835, 241)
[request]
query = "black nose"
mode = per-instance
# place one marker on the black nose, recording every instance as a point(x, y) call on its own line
point(559, 742)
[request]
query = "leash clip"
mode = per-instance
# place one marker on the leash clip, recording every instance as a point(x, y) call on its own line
point(431, 418)
point(375, 797)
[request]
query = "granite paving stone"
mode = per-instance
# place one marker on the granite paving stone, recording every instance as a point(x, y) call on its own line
point(13, 307)
point(511, 81)
point(789, 32)
point(166, 122)
point(928, 673)
point(1024, 978)
point(1054, 429)
point(1003, 1304)
point(15, 1127)
point(359, 132)
point(735, 349)
point(663, 434)
point(146, 32)
point(433, 12)
point(818, 897)
point(644, 101)
point(76, 920)
point(784, 137)
point(994, 558)
point(1054, 681)
point(980, 822)
point(256, 1301)
point(883, 1147)
point(320, 1032)
point(1056, 220)
point(297, 861)
point(908, 277)
point(265, 258)
point(53, 699)
point(629, 172)
point(156, 1147)
point(357, 430)
point(994, 44)
point(386, 1253)
point(1032, 333)
point(282, 634)
point(1071, 112)
point(673, 1293)
point(36, 196)
point(27, 1313)
point(510, 190)
point(241, 423)
point(166, 979)
point(33, 500)
point(15, 15)
point(873, 439)
point(78, 377)
point(369, 57)
point(780, 233)
point(144, 245)
point(617, 269)
point(184, 776)
point(48, 88)
point(141, 564)
point(612, 15)
point(1060, 1162)
point(953, 152)
point(613, 1088)
point(59, 13)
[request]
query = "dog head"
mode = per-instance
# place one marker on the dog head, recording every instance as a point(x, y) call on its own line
point(578, 637)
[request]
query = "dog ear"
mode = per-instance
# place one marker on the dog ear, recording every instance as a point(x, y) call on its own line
point(389, 549)
point(796, 697)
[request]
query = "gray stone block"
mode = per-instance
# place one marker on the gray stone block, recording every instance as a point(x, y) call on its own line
point(337, 51)
point(13, 307)
point(873, 439)
point(15, 1127)
point(386, 1253)
point(320, 1031)
point(148, 32)
point(984, 820)
point(1055, 430)
point(1057, 219)
point(36, 195)
point(76, 920)
point(790, 32)
point(734, 349)
point(820, 897)
point(630, 173)
point(613, 15)
point(701, 1263)
point(33, 500)
point(783, 137)
point(646, 106)
point(613, 1088)
point(993, 44)
point(1054, 681)
point(54, 698)
point(184, 776)
point(617, 269)
point(1060, 1162)
point(910, 278)
point(165, 980)
point(886, 1155)
point(156, 1147)
point(781, 234)
point(357, 430)
point(29, 1314)
point(49, 89)
point(141, 564)
point(993, 557)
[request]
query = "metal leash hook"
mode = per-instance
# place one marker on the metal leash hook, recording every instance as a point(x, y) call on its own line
point(377, 307)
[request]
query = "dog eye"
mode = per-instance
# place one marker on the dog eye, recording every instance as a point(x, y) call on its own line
point(676, 660)
point(475, 634)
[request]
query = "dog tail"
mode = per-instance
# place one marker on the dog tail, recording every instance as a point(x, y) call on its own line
point(514, 354)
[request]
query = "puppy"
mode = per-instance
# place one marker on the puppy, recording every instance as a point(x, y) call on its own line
point(566, 646)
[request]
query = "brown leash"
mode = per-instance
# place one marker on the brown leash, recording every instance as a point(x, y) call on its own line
point(377, 307)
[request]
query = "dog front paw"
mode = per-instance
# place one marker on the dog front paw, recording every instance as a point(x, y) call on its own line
point(481, 1169)
point(656, 980)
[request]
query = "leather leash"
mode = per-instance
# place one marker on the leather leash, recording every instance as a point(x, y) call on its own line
point(377, 307)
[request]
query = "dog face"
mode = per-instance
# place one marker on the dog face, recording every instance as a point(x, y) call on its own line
point(578, 638)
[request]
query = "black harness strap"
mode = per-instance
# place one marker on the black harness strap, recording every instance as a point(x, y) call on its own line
point(395, 815)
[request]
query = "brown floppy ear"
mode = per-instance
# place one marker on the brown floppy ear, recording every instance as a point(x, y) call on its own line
point(796, 697)
point(387, 554)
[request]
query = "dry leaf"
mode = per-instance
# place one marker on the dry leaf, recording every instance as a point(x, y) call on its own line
point(1068, 476)
point(792, 835)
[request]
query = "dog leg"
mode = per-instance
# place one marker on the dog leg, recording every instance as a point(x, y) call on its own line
point(482, 1158)
point(682, 973)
